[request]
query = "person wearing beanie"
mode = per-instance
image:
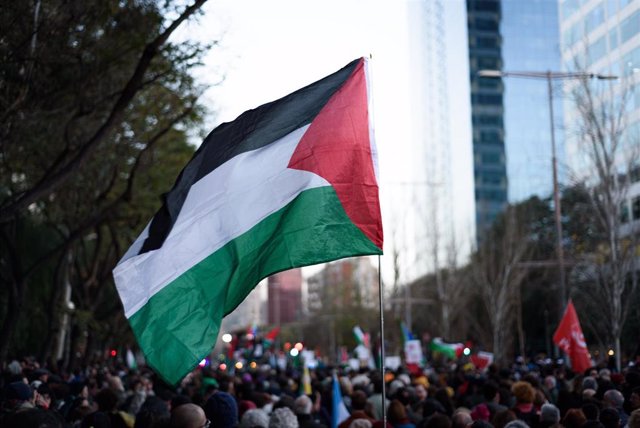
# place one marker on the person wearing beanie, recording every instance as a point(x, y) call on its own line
point(549, 416)
point(283, 418)
point(18, 396)
point(222, 410)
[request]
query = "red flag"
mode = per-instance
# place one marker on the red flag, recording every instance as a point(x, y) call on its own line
point(569, 338)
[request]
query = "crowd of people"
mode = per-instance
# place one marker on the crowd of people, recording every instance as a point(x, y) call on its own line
point(452, 396)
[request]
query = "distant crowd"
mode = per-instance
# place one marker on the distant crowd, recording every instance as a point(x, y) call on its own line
point(453, 396)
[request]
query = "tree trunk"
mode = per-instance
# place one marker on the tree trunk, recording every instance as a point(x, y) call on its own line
point(14, 306)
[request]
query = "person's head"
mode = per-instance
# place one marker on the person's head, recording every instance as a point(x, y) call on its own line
point(591, 411)
point(634, 398)
point(421, 392)
point(283, 418)
point(397, 411)
point(589, 382)
point(610, 418)
point(523, 392)
point(550, 382)
point(480, 424)
point(358, 400)
point(32, 418)
point(107, 400)
point(460, 419)
point(438, 420)
point(188, 415)
point(613, 398)
point(516, 424)
point(254, 418)
point(490, 391)
point(549, 414)
point(502, 418)
point(360, 423)
point(634, 419)
point(221, 409)
point(303, 405)
point(574, 418)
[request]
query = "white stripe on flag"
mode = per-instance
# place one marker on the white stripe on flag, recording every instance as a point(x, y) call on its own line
point(219, 207)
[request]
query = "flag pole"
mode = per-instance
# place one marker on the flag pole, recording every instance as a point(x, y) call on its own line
point(384, 389)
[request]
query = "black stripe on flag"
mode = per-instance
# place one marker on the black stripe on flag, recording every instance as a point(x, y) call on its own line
point(252, 130)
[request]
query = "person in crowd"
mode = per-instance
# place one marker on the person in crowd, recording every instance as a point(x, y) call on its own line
point(222, 410)
point(613, 399)
point(303, 408)
point(254, 418)
point(524, 408)
point(398, 415)
point(549, 416)
point(283, 417)
point(574, 418)
point(188, 416)
point(358, 409)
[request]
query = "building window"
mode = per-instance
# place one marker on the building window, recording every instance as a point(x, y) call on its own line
point(487, 6)
point(635, 208)
point(624, 212)
point(486, 24)
point(487, 99)
point(487, 42)
point(595, 17)
point(597, 49)
point(491, 158)
point(613, 38)
point(569, 7)
point(488, 62)
point(483, 119)
point(612, 6)
point(630, 27)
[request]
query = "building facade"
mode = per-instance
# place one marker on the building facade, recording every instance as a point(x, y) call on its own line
point(341, 284)
point(487, 111)
point(284, 303)
point(603, 37)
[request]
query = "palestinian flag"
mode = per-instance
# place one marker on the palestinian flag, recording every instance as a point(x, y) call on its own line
point(288, 184)
point(450, 350)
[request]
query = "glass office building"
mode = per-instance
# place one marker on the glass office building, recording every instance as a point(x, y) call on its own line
point(510, 116)
point(604, 37)
point(487, 112)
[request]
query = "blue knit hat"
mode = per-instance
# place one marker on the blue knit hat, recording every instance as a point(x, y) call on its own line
point(222, 410)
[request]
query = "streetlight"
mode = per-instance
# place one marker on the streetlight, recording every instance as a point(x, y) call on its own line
point(549, 76)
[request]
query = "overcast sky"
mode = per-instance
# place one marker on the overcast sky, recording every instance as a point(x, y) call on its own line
point(269, 49)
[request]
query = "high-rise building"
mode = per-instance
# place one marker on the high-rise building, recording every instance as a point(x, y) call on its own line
point(487, 111)
point(530, 43)
point(510, 115)
point(603, 37)
point(344, 283)
point(285, 297)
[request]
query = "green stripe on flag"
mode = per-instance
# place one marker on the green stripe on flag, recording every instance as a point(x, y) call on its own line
point(179, 325)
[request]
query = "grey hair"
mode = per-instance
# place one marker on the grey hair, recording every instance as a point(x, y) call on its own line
point(615, 397)
point(283, 417)
point(516, 424)
point(302, 405)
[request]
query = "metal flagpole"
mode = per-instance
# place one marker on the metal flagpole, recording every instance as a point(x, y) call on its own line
point(384, 388)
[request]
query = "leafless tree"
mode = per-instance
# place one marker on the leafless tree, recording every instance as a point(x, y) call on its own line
point(611, 158)
point(497, 275)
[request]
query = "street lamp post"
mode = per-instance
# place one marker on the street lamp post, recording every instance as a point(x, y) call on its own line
point(549, 76)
